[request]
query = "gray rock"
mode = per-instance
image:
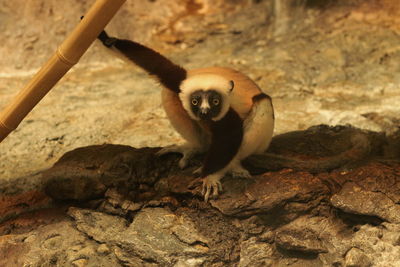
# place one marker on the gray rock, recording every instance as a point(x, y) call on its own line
point(190, 262)
point(99, 226)
point(302, 235)
point(255, 253)
point(57, 244)
point(354, 199)
point(155, 235)
point(372, 241)
point(356, 258)
point(392, 235)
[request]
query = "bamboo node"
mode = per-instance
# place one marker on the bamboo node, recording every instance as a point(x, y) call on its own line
point(65, 60)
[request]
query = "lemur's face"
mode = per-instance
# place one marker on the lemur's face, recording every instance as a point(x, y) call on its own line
point(206, 96)
point(206, 104)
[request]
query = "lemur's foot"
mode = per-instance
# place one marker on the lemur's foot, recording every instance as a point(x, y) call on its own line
point(238, 171)
point(211, 185)
point(187, 153)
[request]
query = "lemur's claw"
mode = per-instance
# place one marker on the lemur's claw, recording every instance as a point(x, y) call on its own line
point(211, 184)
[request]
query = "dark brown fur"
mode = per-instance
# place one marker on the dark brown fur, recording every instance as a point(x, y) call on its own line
point(261, 96)
point(169, 74)
point(227, 135)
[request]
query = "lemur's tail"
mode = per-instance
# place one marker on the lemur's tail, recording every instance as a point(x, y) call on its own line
point(169, 74)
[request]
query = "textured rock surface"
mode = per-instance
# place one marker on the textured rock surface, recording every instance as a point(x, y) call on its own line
point(335, 62)
point(369, 203)
point(155, 234)
point(145, 214)
point(325, 196)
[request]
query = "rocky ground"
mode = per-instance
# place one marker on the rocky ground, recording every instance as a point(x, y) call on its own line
point(326, 196)
point(114, 205)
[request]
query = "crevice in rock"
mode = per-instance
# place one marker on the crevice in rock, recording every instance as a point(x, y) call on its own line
point(296, 254)
point(352, 219)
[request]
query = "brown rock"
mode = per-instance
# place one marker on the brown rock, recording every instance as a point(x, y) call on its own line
point(274, 190)
point(357, 258)
point(302, 235)
point(354, 199)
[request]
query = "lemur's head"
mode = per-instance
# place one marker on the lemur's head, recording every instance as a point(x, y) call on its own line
point(206, 96)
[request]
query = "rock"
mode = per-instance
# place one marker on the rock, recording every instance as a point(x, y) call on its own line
point(57, 244)
point(155, 235)
point(100, 226)
point(354, 199)
point(269, 191)
point(194, 262)
point(357, 258)
point(80, 263)
point(382, 177)
point(86, 173)
point(330, 198)
point(281, 218)
point(254, 253)
point(373, 243)
point(129, 259)
point(118, 204)
point(13, 205)
point(22, 195)
point(393, 234)
point(103, 249)
point(302, 235)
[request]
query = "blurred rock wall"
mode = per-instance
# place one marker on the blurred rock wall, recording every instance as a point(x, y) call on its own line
point(31, 30)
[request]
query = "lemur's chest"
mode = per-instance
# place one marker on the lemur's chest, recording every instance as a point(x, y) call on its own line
point(205, 126)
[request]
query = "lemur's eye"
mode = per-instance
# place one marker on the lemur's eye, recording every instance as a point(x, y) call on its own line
point(216, 101)
point(195, 102)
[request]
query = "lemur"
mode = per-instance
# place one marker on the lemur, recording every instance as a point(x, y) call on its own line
point(217, 110)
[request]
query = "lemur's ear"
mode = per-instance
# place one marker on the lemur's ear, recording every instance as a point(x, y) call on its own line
point(232, 85)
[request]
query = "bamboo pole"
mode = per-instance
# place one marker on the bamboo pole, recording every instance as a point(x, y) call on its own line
point(67, 55)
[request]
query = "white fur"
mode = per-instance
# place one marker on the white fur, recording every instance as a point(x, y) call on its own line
point(206, 81)
point(258, 129)
point(204, 103)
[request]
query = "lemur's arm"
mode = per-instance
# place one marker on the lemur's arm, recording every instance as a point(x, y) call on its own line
point(227, 135)
point(169, 74)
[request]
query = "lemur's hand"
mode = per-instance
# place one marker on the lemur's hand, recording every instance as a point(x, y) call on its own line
point(104, 38)
point(210, 186)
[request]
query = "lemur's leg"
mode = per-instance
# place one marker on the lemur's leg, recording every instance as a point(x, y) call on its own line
point(186, 150)
point(227, 135)
point(258, 129)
